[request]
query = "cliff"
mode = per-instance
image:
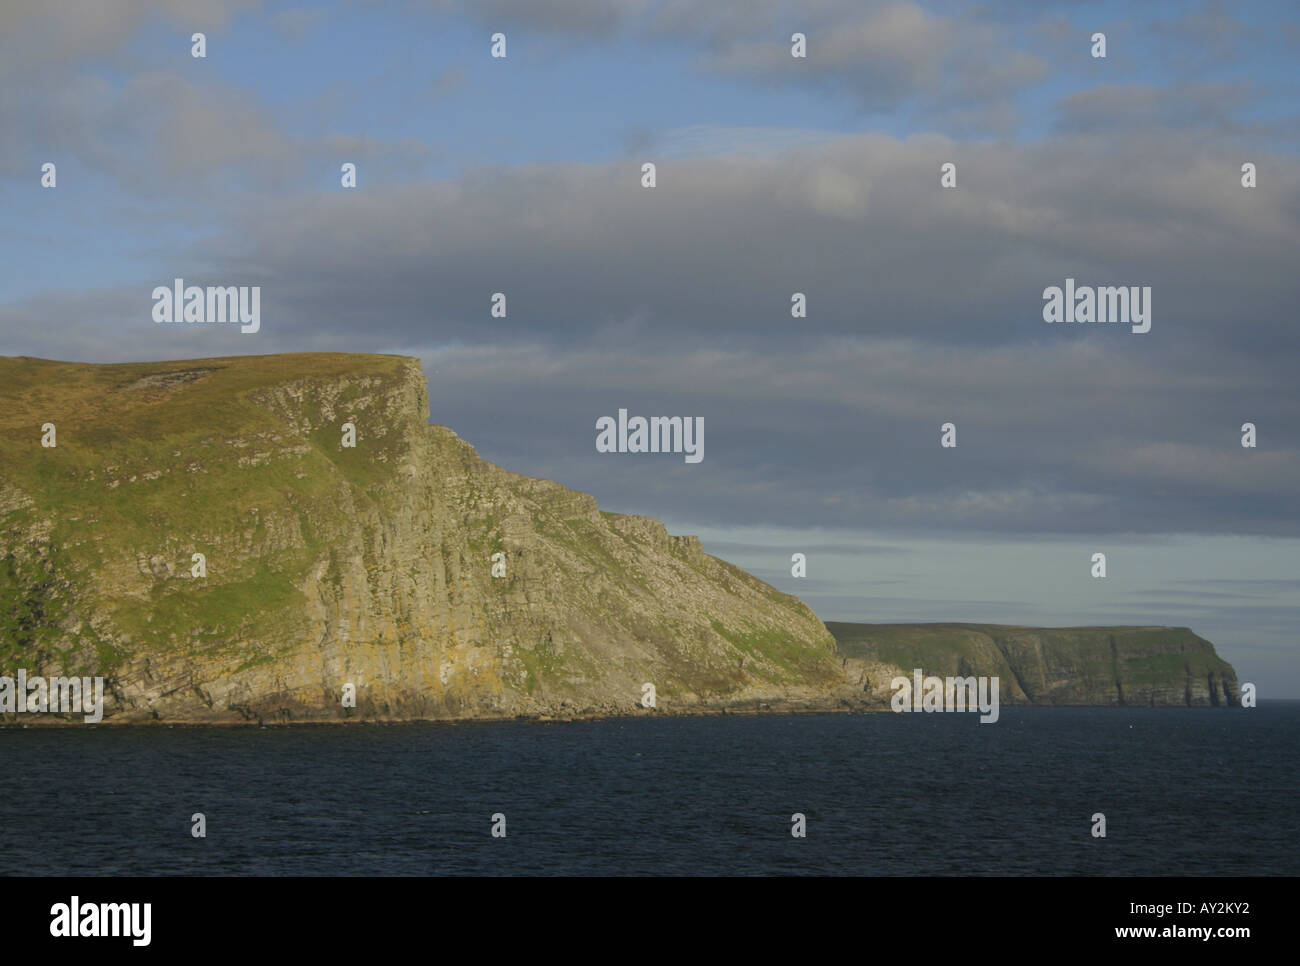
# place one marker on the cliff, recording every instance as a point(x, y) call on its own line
point(1047, 666)
point(329, 565)
point(436, 584)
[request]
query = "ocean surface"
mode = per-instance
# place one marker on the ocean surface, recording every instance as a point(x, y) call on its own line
point(1184, 791)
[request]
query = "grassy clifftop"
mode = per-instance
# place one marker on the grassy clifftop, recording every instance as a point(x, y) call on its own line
point(153, 462)
point(1062, 665)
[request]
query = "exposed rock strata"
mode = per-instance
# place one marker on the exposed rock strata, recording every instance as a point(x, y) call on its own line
point(372, 566)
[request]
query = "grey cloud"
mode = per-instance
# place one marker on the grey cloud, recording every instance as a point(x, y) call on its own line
point(839, 550)
point(1189, 106)
point(859, 224)
point(859, 606)
point(882, 54)
point(586, 18)
point(924, 308)
point(799, 438)
point(163, 135)
point(40, 39)
point(1261, 584)
point(1163, 592)
point(159, 131)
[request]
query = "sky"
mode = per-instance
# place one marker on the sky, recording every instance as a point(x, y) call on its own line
point(774, 175)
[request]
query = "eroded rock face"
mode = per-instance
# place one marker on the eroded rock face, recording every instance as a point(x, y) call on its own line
point(327, 565)
point(324, 565)
point(1129, 666)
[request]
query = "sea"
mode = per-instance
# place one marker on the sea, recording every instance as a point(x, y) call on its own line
point(1183, 791)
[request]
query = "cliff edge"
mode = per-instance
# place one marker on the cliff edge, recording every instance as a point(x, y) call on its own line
point(325, 564)
point(1122, 666)
point(245, 539)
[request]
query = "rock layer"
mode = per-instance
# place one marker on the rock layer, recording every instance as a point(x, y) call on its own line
point(329, 565)
point(1129, 666)
point(325, 565)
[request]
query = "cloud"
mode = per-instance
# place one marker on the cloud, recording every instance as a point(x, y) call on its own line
point(858, 223)
point(723, 547)
point(161, 134)
point(72, 91)
point(39, 39)
point(924, 303)
point(156, 131)
point(1212, 106)
point(881, 54)
point(924, 307)
point(580, 18)
point(846, 431)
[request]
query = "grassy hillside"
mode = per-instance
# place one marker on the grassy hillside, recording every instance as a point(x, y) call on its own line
point(148, 457)
point(329, 564)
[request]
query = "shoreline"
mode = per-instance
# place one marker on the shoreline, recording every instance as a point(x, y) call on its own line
point(52, 721)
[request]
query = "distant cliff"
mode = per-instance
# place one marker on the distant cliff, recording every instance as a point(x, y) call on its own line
point(201, 535)
point(1048, 666)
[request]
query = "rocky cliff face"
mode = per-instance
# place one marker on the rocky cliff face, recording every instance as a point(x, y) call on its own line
point(200, 535)
point(1051, 666)
point(326, 565)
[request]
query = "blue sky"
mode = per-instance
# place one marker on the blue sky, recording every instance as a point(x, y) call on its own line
point(776, 175)
point(416, 74)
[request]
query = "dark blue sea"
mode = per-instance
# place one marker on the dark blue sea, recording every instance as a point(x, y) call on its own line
point(1184, 792)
